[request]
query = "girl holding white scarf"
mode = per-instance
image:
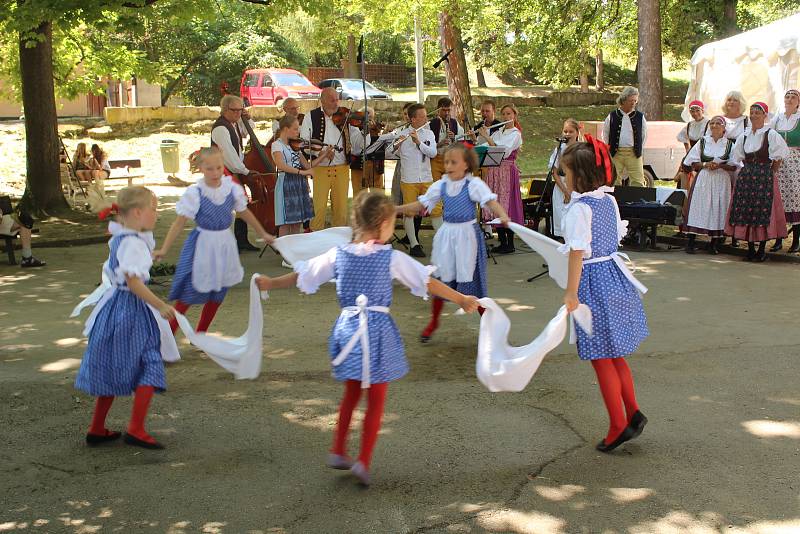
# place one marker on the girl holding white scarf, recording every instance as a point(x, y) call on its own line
point(459, 251)
point(365, 345)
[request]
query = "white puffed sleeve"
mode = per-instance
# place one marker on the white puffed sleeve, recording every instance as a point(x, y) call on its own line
point(683, 137)
point(189, 203)
point(239, 197)
point(479, 192)
point(737, 154)
point(577, 228)
point(432, 195)
point(411, 273)
point(694, 154)
point(135, 259)
point(316, 271)
point(778, 149)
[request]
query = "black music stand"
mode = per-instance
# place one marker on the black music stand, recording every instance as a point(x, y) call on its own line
point(377, 151)
point(547, 181)
point(492, 157)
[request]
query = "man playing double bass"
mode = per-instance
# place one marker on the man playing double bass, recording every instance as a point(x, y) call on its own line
point(227, 133)
point(331, 177)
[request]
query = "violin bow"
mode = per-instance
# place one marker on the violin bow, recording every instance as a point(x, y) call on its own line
point(365, 125)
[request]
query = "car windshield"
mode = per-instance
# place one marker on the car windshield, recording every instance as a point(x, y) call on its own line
point(355, 85)
point(289, 79)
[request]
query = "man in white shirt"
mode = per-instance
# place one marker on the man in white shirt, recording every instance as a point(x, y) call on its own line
point(625, 131)
point(415, 146)
point(332, 177)
point(227, 133)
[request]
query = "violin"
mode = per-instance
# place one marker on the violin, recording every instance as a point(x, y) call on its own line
point(341, 116)
point(313, 144)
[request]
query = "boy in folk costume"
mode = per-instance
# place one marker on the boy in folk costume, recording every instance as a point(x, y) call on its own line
point(416, 146)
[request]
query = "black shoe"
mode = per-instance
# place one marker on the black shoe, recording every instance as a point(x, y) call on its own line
point(133, 440)
point(637, 424)
point(424, 339)
point(30, 261)
point(760, 257)
point(794, 248)
point(505, 249)
point(93, 440)
point(417, 252)
point(245, 246)
point(735, 243)
point(626, 435)
point(777, 246)
point(404, 240)
point(713, 247)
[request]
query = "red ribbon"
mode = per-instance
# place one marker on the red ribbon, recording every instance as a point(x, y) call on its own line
point(602, 157)
point(105, 213)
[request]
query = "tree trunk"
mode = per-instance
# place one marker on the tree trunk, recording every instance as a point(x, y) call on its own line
point(651, 85)
point(730, 25)
point(456, 69)
point(584, 77)
point(351, 67)
point(481, 78)
point(43, 195)
point(599, 82)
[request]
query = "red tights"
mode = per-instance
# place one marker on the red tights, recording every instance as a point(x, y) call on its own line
point(616, 385)
point(436, 310)
point(376, 396)
point(141, 402)
point(206, 316)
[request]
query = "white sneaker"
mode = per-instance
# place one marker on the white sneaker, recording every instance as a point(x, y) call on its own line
point(286, 265)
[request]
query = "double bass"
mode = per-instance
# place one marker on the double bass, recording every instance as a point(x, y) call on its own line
point(262, 184)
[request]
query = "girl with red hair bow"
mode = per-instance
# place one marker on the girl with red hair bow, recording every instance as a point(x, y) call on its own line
point(599, 278)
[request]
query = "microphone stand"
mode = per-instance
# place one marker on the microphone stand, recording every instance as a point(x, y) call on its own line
point(539, 204)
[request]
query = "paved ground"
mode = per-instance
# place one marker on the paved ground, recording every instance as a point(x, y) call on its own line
point(718, 379)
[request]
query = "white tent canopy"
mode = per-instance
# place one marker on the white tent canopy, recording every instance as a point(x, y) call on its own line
point(761, 63)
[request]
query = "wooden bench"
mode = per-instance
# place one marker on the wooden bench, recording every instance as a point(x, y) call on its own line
point(121, 169)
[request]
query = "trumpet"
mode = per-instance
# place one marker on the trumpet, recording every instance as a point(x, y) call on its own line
point(400, 140)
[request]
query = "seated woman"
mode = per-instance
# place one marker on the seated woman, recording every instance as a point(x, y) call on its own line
point(101, 169)
point(13, 222)
point(82, 161)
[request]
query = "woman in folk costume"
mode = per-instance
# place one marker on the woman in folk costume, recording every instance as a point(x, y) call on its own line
point(459, 251)
point(756, 212)
point(365, 345)
point(209, 262)
point(736, 122)
point(695, 130)
point(124, 354)
point(599, 278)
point(571, 133)
point(787, 124)
point(504, 180)
point(710, 194)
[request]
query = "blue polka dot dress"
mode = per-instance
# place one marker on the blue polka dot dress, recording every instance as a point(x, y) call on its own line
point(124, 350)
point(618, 318)
point(216, 265)
point(460, 209)
point(368, 275)
point(453, 246)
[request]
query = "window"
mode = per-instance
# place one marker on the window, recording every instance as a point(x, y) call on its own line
point(266, 81)
point(290, 79)
point(325, 83)
point(355, 85)
point(251, 80)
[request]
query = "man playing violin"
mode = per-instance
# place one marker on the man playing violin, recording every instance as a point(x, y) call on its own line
point(332, 176)
point(227, 133)
point(371, 176)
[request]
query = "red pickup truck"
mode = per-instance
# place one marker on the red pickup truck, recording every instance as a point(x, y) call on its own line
point(267, 87)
